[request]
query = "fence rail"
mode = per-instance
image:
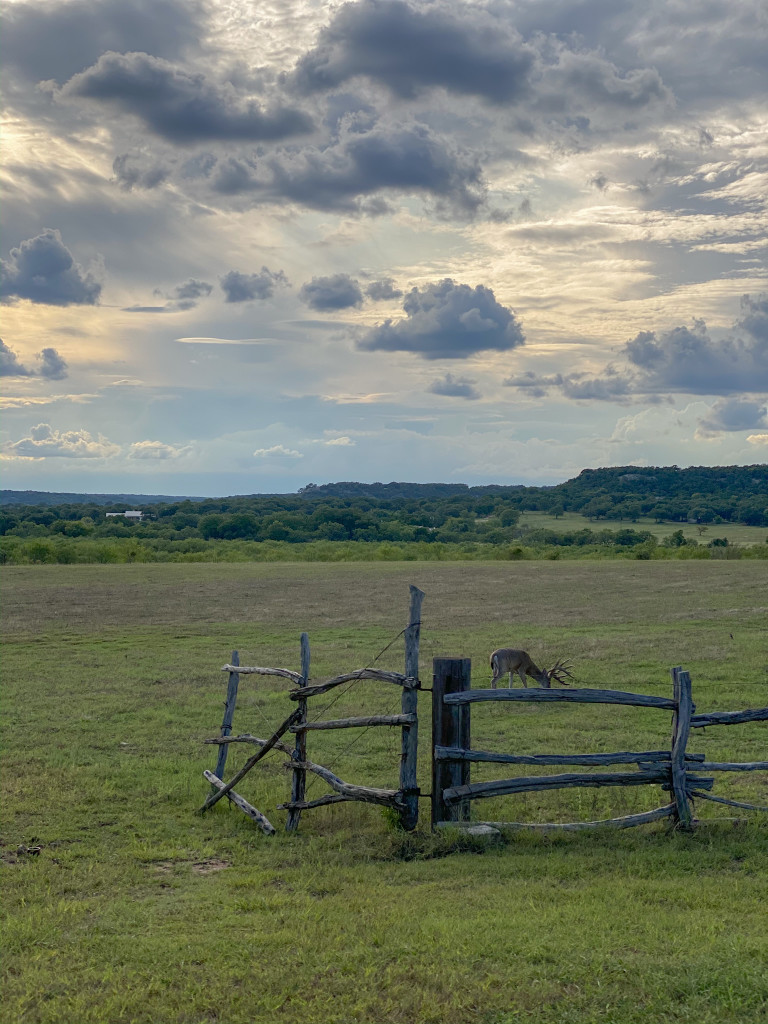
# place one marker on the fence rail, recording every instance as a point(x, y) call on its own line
point(404, 800)
point(672, 769)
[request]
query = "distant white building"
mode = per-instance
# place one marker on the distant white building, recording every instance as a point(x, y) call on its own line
point(126, 515)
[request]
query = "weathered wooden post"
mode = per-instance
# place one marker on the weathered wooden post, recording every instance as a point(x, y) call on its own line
point(298, 786)
point(229, 712)
point(409, 818)
point(450, 728)
point(681, 725)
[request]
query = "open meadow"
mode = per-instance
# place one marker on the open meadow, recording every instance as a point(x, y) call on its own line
point(137, 909)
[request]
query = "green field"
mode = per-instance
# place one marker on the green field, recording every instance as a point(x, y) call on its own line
point(735, 533)
point(136, 909)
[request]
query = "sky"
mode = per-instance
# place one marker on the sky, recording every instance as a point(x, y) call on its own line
point(251, 245)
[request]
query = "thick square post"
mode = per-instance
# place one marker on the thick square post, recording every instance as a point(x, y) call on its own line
point(450, 728)
point(409, 817)
point(299, 784)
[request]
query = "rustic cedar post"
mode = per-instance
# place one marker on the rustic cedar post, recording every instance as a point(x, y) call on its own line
point(229, 711)
point(409, 817)
point(450, 728)
point(298, 786)
point(681, 724)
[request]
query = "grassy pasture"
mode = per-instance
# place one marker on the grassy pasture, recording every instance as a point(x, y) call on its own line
point(735, 533)
point(138, 910)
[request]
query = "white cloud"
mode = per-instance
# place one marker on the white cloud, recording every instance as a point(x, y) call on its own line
point(277, 451)
point(156, 450)
point(45, 442)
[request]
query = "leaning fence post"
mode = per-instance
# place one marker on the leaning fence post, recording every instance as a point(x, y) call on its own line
point(229, 712)
point(409, 817)
point(681, 725)
point(450, 728)
point(298, 786)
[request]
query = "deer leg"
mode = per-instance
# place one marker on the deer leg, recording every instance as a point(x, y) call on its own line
point(522, 676)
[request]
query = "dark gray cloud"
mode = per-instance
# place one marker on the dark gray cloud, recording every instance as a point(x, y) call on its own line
point(754, 320)
point(734, 414)
point(133, 170)
point(47, 39)
point(181, 106)
point(9, 363)
point(329, 293)
point(454, 387)
point(588, 81)
point(187, 295)
point(380, 291)
point(611, 385)
point(535, 384)
point(52, 365)
point(409, 48)
point(409, 159)
point(684, 360)
point(688, 359)
point(43, 270)
point(447, 321)
point(182, 297)
point(239, 287)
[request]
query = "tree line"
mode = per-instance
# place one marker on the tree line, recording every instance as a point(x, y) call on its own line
point(425, 513)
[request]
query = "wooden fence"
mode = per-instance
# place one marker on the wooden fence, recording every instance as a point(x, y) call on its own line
point(404, 800)
point(676, 770)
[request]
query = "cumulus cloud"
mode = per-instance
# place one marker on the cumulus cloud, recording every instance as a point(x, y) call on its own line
point(688, 359)
point(409, 48)
point(683, 360)
point(187, 295)
point(330, 293)
point(339, 442)
point(10, 365)
point(45, 442)
point(181, 106)
point(239, 287)
point(733, 414)
point(758, 439)
point(43, 270)
point(277, 451)
point(156, 450)
point(347, 174)
point(454, 387)
point(588, 81)
point(52, 365)
point(447, 321)
point(380, 291)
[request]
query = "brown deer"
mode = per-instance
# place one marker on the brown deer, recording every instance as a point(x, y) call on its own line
point(508, 660)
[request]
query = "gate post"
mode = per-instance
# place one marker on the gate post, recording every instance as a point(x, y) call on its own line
point(681, 724)
point(409, 817)
point(450, 728)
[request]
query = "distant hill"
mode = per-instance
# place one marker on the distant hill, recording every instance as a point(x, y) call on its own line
point(701, 494)
point(49, 498)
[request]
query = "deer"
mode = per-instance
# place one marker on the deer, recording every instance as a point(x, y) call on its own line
point(508, 660)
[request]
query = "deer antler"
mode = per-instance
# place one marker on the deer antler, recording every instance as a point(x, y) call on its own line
point(559, 671)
